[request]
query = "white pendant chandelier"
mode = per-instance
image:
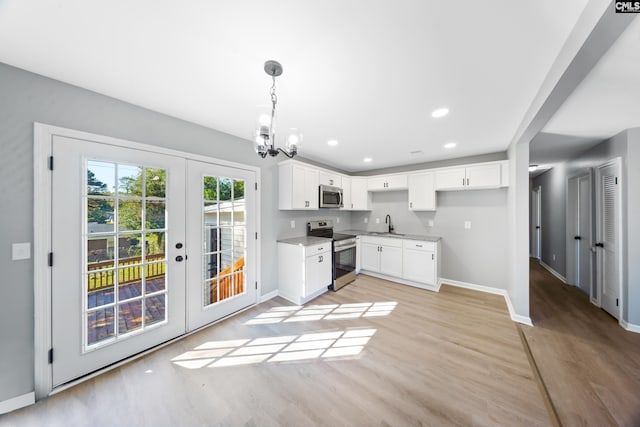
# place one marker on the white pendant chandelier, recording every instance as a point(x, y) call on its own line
point(264, 135)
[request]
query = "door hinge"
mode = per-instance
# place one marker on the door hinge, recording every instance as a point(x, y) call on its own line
point(616, 302)
point(256, 235)
point(50, 261)
point(256, 186)
point(256, 284)
point(50, 163)
point(50, 356)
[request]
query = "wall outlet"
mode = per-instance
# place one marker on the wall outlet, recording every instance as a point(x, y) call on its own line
point(553, 257)
point(366, 220)
point(430, 223)
point(338, 220)
point(377, 220)
point(293, 223)
point(20, 251)
point(467, 225)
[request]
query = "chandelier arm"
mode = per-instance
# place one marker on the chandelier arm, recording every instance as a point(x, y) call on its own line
point(286, 153)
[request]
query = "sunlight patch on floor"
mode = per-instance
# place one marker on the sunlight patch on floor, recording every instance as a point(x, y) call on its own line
point(316, 345)
point(323, 312)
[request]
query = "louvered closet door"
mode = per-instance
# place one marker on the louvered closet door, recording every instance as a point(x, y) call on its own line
point(608, 235)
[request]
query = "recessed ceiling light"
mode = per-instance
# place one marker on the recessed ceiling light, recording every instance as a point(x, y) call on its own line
point(440, 112)
point(367, 159)
point(450, 145)
point(332, 142)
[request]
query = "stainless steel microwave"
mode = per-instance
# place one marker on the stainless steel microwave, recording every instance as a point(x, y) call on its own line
point(330, 197)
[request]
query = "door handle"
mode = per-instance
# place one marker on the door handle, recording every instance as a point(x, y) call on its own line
point(577, 238)
point(600, 245)
point(537, 227)
point(179, 258)
point(179, 245)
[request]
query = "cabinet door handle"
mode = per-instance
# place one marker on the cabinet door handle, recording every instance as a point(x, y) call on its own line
point(463, 182)
point(320, 249)
point(418, 246)
point(433, 257)
point(467, 181)
point(320, 258)
point(410, 204)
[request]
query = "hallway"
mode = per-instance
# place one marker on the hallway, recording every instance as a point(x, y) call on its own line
point(588, 362)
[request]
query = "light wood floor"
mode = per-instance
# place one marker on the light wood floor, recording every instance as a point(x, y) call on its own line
point(589, 364)
point(452, 358)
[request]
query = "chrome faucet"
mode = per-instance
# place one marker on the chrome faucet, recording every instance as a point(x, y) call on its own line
point(387, 220)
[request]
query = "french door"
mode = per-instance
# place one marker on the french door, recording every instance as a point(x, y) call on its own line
point(222, 201)
point(126, 276)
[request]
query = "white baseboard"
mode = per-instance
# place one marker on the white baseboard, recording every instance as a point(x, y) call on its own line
point(555, 273)
point(268, 296)
point(490, 290)
point(17, 402)
point(630, 326)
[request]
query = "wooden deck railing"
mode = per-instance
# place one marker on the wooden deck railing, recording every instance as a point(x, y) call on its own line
point(132, 272)
point(226, 283)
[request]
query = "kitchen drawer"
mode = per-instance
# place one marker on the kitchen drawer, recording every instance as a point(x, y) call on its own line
point(419, 245)
point(317, 249)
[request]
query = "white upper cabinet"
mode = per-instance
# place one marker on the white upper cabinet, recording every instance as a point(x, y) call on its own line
point(450, 179)
point(332, 179)
point(298, 187)
point(422, 192)
point(483, 176)
point(387, 182)
point(472, 177)
point(360, 198)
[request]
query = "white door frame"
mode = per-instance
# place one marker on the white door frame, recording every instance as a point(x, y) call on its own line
point(536, 233)
point(618, 162)
point(572, 223)
point(42, 141)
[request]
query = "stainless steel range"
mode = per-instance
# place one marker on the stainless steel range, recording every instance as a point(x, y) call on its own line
point(344, 252)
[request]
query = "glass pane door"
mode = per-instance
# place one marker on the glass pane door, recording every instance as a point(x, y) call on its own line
point(225, 199)
point(118, 283)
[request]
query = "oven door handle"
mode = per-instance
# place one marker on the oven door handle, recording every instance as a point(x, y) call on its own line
point(343, 248)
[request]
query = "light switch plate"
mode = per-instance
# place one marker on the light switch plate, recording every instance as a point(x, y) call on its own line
point(293, 223)
point(467, 225)
point(366, 220)
point(20, 251)
point(338, 220)
point(377, 220)
point(430, 223)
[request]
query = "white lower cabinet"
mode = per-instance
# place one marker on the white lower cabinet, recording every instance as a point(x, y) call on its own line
point(381, 255)
point(420, 261)
point(412, 262)
point(304, 272)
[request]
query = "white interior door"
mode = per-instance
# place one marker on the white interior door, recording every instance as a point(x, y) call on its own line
point(221, 231)
point(535, 222)
point(608, 236)
point(584, 232)
point(117, 280)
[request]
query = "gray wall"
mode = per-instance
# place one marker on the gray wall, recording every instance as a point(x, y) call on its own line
point(475, 255)
point(626, 145)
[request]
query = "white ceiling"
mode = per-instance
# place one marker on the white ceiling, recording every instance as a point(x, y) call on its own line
point(367, 73)
point(608, 99)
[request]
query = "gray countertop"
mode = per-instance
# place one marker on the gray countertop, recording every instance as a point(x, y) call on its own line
point(305, 240)
point(422, 237)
